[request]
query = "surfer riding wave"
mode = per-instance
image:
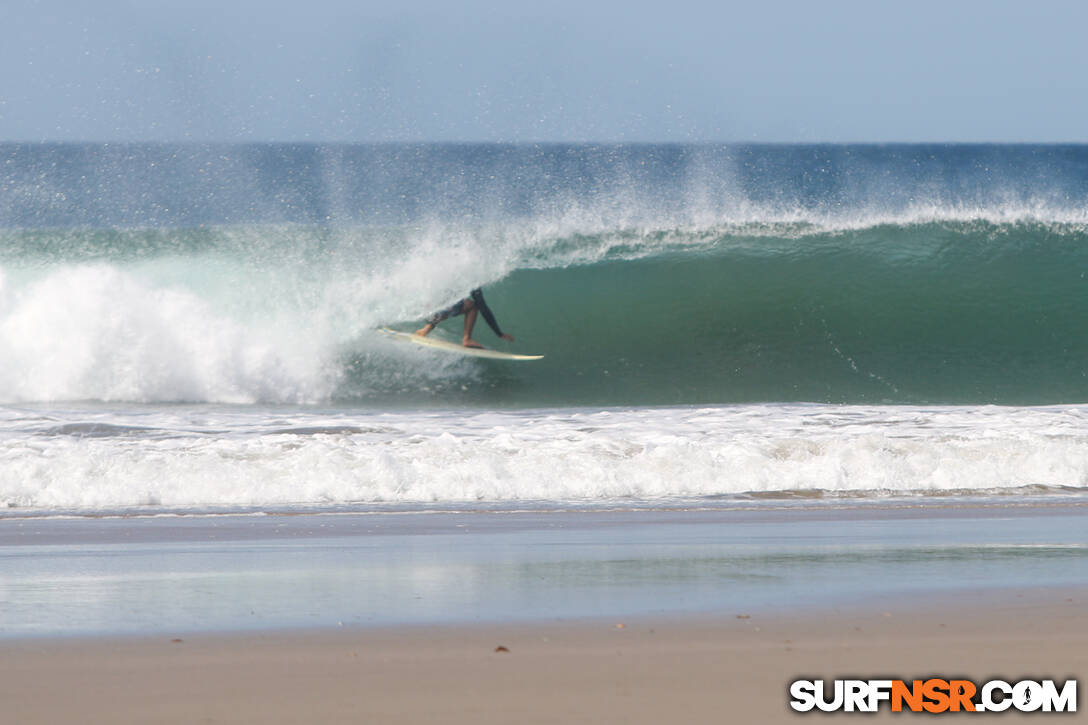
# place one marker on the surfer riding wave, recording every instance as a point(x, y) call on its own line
point(469, 307)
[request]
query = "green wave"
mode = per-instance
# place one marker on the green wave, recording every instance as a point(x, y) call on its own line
point(950, 310)
point(934, 313)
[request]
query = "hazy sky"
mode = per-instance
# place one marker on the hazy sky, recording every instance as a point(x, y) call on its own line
point(549, 70)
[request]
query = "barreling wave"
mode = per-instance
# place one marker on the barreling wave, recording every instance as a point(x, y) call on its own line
point(646, 275)
point(938, 311)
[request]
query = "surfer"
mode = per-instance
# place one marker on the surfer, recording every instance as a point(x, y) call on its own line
point(469, 307)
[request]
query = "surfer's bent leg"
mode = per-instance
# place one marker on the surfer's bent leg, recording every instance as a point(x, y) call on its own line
point(457, 308)
point(470, 321)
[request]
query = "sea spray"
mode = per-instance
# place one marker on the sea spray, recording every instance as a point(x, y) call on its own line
point(648, 275)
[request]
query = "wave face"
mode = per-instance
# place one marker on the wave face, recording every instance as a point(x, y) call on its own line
point(647, 275)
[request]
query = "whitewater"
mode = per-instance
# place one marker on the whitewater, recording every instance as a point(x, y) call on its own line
point(192, 329)
point(193, 460)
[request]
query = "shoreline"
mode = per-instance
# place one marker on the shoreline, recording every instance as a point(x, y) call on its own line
point(190, 524)
point(629, 616)
point(707, 668)
point(133, 576)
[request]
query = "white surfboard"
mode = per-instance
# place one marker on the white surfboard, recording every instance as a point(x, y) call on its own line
point(454, 347)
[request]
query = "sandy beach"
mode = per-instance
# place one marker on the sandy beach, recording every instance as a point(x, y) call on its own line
point(711, 669)
point(625, 617)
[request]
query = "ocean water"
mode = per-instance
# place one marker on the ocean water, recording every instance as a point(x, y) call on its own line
point(168, 575)
point(190, 328)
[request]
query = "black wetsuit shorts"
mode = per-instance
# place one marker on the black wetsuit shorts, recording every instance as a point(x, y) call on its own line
point(457, 308)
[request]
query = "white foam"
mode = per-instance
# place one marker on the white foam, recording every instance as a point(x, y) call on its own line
point(214, 458)
point(216, 328)
point(100, 331)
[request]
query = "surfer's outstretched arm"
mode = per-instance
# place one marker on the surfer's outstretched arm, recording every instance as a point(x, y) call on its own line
point(477, 296)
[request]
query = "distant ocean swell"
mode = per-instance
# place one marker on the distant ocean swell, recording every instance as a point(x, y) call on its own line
point(940, 311)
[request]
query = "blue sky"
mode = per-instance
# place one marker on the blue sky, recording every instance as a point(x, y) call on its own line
point(422, 70)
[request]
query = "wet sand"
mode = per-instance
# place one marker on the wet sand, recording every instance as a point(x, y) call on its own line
point(708, 669)
point(548, 617)
point(177, 575)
